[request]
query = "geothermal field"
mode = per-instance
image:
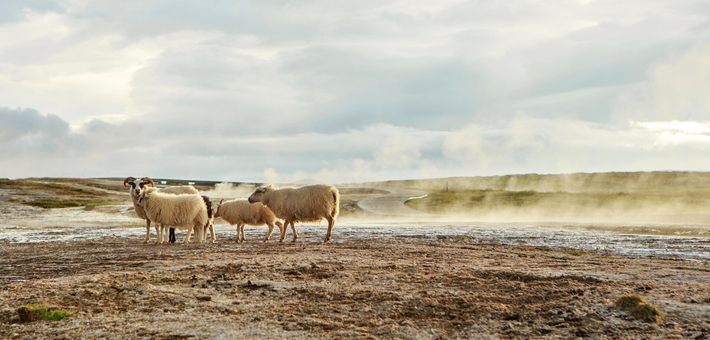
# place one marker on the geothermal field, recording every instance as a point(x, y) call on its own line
point(505, 257)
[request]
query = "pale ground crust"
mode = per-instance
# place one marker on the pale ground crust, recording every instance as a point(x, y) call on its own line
point(399, 287)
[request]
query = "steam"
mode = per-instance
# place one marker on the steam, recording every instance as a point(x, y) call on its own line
point(228, 190)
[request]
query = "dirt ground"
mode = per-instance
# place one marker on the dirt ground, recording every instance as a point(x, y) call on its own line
point(400, 287)
point(371, 287)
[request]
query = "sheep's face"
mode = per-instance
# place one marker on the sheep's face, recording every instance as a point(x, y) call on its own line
point(138, 184)
point(260, 194)
point(217, 211)
point(143, 198)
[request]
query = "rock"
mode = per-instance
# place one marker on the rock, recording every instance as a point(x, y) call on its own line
point(203, 297)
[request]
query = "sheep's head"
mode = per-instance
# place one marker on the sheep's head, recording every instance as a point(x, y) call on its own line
point(138, 184)
point(216, 209)
point(260, 194)
point(143, 197)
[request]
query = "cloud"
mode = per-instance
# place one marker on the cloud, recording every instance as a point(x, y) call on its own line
point(26, 131)
point(676, 90)
point(355, 91)
point(465, 145)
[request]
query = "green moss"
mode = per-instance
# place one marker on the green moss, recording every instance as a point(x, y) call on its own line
point(576, 252)
point(32, 313)
point(639, 308)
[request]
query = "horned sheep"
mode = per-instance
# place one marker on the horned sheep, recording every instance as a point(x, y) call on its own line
point(240, 212)
point(187, 212)
point(310, 203)
point(138, 184)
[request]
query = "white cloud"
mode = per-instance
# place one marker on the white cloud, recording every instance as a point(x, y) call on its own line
point(357, 91)
point(678, 90)
point(465, 145)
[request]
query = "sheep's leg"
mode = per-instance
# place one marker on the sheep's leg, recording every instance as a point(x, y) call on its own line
point(271, 230)
point(240, 232)
point(171, 238)
point(331, 223)
point(214, 237)
point(164, 231)
point(187, 238)
point(199, 233)
point(157, 233)
point(295, 234)
point(283, 230)
point(147, 231)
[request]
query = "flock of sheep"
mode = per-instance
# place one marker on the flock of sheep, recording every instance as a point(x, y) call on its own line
point(183, 208)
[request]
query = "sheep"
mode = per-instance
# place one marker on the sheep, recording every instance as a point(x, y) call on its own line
point(210, 223)
point(138, 184)
point(305, 204)
point(241, 213)
point(188, 212)
point(209, 226)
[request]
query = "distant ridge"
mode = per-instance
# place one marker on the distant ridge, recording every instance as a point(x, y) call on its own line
point(603, 182)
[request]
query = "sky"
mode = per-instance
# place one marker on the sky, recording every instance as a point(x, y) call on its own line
point(352, 91)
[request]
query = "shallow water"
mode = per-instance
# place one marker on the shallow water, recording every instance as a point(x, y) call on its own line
point(76, 224)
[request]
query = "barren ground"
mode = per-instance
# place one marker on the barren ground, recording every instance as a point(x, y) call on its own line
point(406, 287)
point(396, 288)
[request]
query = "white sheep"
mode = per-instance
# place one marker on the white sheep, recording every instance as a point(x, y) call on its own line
point(138, 184)
point(186, 212)
point(310, 203)
point(241, 213)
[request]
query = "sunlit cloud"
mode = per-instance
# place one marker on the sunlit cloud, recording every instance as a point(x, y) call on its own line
point(347, 92)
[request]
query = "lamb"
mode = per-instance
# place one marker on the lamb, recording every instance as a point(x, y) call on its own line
point(310, 203)
point(138, 184)
point(188, 212)
point(241, 213)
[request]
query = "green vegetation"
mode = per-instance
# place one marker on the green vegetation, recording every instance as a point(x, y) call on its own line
point(52, 188)
point(57, 195)
point(483, 201)
point(639, 308)
point(608, 183)
point(88, 204)
point(641, 194)
point(35, 312)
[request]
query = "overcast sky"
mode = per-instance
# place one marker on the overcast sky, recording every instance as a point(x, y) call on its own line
point(351, 91)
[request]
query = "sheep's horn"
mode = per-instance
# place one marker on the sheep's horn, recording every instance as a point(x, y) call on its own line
point(128, 179)
point(220, 201)
point(147, 179)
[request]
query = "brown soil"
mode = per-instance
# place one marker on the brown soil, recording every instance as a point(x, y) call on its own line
point(401, 287)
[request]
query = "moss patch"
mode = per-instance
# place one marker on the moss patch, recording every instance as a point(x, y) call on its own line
point(33, 313)
point(639, 308)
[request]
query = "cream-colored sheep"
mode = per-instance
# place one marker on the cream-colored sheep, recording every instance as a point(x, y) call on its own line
point(241, 213)
point(187, 212)
point(310, 203)
point(138, 184)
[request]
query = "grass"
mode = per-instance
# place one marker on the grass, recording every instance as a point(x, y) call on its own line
point(53, 188)
point(63, 196)
point(608, 183)
point(88, 204)
point(489, 201)
point(639, 308)
point(31, 313)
